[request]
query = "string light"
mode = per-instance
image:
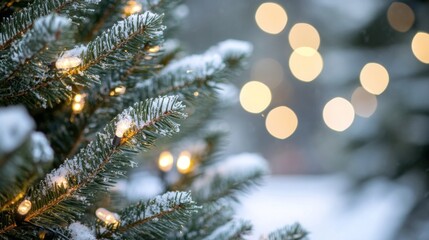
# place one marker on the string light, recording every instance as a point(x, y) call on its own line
point(24, 207)
point(106, 216)
point(165, 161)
point(118, 91)
point(184, 162)
point(154, 49)
point(68, 62)
point(78, 103)
point(132, 7)
point(121, 127)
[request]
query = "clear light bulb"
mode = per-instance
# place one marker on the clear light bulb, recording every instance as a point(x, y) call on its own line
point(184, 163)
point(24, 207)
point(106, 216)
point(154, 49)
point(68, 62)
point(122, 126)
point(165, 161)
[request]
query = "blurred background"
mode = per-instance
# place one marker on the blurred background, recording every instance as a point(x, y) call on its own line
point(336, 98)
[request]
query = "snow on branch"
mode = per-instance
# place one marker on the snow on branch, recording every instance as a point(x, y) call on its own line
point(232, 49)
point(20, 22)
point(46, 29)
point(155, 218)
point(99, 164)
point(235, 229)
point(292, 232)
point(225, 178)
point(128, 35)
point(16, 126)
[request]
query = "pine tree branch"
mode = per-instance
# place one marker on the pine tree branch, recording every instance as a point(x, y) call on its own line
point(292, 232)
point(22, 21)
point(154, 218)
point(235, 229)
point(86, 173)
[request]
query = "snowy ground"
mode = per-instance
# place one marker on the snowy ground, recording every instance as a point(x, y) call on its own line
point(325, 207)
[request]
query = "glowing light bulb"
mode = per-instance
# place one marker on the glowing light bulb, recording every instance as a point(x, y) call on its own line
point(68, 62)
point(132, 7)
point(122, 126)
point(196, 94)
point(77, 107)
point(24, 207)
point(120, 90)
point(338, 114)
point(165, 162)
point(154, 49)
point(78, 98)
point(184, 163)
point(106, 216)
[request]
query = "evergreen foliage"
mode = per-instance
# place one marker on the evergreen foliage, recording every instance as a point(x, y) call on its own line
point(97, 87)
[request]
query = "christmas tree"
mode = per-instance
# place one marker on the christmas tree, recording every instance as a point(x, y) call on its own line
point(86, 89)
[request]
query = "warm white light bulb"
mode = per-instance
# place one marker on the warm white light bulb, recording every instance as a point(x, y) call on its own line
point(106, 216)
point(122, 126)
point(120, 90)
point(68, 62)
point(165, 162)
point(132, 7)
point(77, 107)
point(24, 207)
point(184, 163)
point(154, 49)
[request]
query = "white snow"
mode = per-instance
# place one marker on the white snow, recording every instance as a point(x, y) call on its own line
point(15, 127)
point(165, 201)
point(325, 206)
point(57, 174)
point(236, 165)
point(231, 227)
point(232, 48)
point(44, 30)
point(181, 11)
point(42, 151)
point(79, 231)
point(75, 52)
point(199, 65)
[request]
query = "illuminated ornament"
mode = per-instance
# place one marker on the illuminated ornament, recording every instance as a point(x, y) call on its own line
point(154, 49)
point(132, 7)
point(67, 62)
point(121, 127)
point(60, 181)
point(106, 216)
point(24, 207)
point(184, 162)
point(165, 161)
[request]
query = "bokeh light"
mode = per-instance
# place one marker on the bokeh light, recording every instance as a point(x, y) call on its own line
point(400, 16)
point(271, 17)
point(338, 114)
point(374, 78)
point(364, 103)
point(165, 161)
point(281, 122)
point(255, 97)
point(420, 47)
point(304, 35)
point(268, 71)
point(184, 163)
point(305, 63)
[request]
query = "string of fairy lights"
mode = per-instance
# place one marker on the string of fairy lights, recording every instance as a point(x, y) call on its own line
point(66, 63)
point(306, 64)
